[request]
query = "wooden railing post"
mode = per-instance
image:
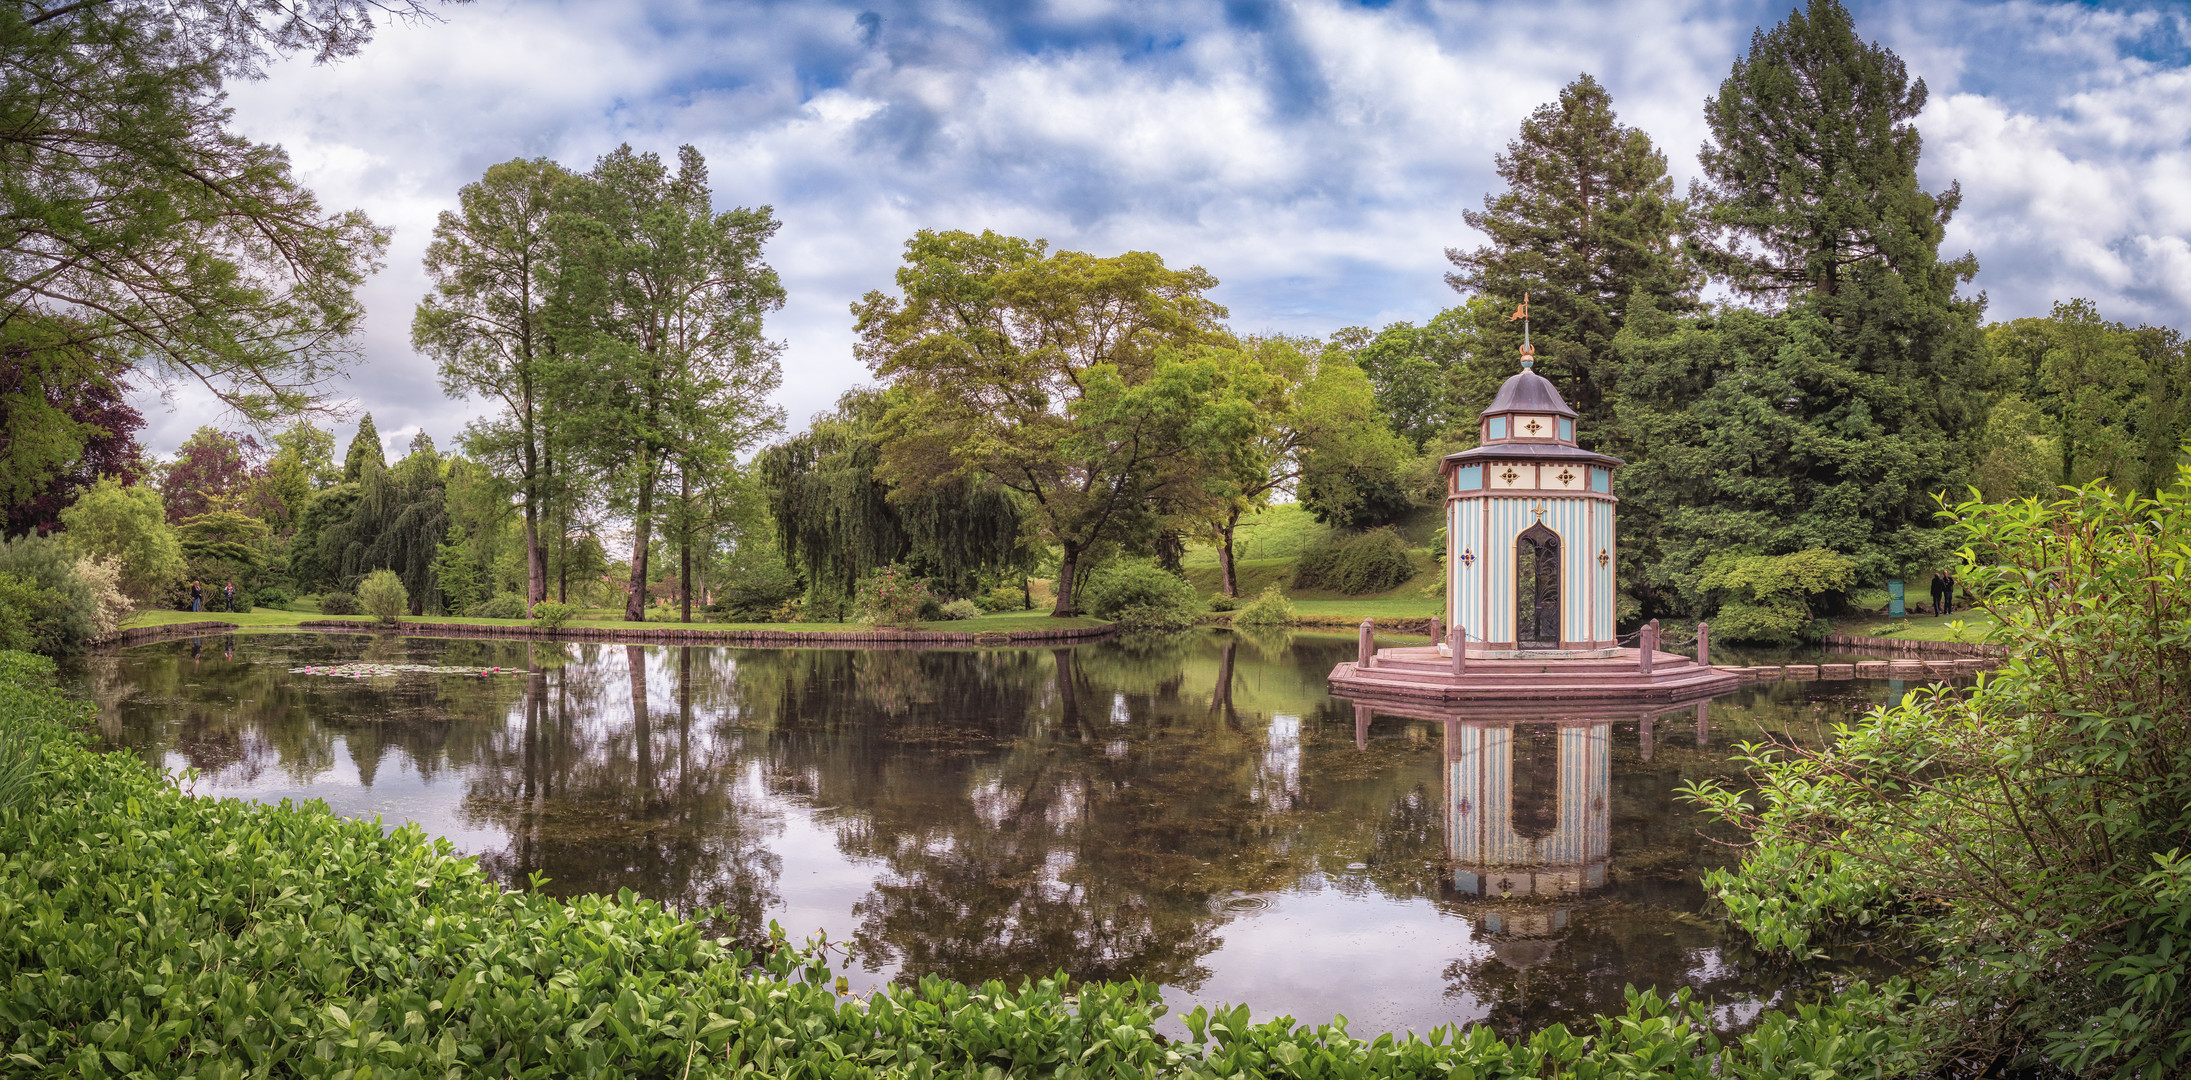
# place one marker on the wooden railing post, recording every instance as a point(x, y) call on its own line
point(1437, 629)
point(1365, 650)
point(1647, 646)
point(1704, 644)
point(1459, 639)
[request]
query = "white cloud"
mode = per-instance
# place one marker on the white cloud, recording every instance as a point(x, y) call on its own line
point(1314, 156)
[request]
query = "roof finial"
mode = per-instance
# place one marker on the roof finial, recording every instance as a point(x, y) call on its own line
point(1529, 352)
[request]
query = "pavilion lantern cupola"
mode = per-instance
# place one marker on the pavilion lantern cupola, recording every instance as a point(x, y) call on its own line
point(1530, 539)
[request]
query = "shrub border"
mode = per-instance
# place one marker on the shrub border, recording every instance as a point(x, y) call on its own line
point(867, 639)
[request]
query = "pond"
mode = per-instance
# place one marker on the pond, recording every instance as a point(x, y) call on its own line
point(1194, 811)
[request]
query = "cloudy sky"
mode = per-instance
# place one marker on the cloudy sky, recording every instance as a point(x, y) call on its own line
point(1314, 156)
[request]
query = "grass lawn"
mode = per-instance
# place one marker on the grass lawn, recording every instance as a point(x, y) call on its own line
point(1419, 598)
point(1975, 625)
point(269, 619)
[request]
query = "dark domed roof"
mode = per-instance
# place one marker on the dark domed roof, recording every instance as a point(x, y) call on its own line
point(1529, 392)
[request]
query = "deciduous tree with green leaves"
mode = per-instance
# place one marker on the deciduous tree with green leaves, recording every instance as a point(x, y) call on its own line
point(1285, 411)
point(128, 525)
point(836, 519)
point(2107, 399)
point(1074, 380)
point(143, 229)
point(487, 323)
point(661, 300)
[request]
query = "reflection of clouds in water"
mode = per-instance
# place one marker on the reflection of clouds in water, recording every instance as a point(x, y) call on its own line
point(992, 804)
point(1054, 887)
point(1278, 781)
point(1066, 805)
point(1120, 714)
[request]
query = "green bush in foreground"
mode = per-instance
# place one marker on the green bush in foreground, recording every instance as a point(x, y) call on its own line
point(144, 932)
point(338, 603)
point(1269, 609)
point(2031, 835)
point(552, 614)
point(383, 596)
point(1139, 595)
point(1370, 562)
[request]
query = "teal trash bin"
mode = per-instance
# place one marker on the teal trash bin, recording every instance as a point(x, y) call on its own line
point(1894, 600)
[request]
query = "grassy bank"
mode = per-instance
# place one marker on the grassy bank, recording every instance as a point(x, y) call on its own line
point(147, 933)
point(1269, 549)
point(272, 619)
point(1974, 627)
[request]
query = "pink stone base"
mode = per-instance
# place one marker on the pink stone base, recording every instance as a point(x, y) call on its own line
point(1423, 673)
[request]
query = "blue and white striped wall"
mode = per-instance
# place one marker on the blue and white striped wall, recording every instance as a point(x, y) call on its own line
point(1481, 532)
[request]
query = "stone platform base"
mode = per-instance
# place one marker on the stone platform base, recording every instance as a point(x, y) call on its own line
point(1425, 673)
point(1537, 654)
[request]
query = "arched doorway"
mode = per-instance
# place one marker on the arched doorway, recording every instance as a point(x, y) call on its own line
point(1537, 588)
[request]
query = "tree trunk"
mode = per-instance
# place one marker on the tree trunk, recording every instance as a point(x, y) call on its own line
point(1231, 587)
point(1068, 567)
point(536, 556)
point(642, 524)
point(536, 559)
point(684, 542)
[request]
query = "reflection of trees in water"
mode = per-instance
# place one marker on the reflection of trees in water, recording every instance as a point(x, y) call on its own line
point(1082, 809)
point(600, 790)
point(1091, 809)
point(229, 707)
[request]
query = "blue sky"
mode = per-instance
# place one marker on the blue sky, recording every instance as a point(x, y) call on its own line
point(1314, 156)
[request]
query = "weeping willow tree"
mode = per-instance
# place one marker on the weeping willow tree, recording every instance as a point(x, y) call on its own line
point(835, 521)
point(398, 523)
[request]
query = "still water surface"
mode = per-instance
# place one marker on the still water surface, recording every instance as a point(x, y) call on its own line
point(1197, 811)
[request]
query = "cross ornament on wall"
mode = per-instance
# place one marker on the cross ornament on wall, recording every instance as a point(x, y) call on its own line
point(1535, 427)
point(1510, 476)
point(1603, 558)
point(1539, 508)
point(1468, 558)
point(1567, 476)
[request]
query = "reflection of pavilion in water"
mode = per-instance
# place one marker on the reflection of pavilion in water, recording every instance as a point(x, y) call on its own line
point(1527, 792)
point(1528, 814)
point(1534, 827)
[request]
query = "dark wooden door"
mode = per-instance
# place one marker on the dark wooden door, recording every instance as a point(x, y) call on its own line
point(1537, 588)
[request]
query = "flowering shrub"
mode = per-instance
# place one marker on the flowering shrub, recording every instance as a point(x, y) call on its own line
point(889, 596)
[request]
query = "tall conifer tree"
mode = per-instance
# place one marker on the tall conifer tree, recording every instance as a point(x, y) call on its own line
point(1589, 227)
point(1834, 422)
point(364, 449)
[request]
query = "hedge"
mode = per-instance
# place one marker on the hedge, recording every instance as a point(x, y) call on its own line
point(148, 933)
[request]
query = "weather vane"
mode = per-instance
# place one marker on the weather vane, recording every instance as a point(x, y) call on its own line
point(1529, 352)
